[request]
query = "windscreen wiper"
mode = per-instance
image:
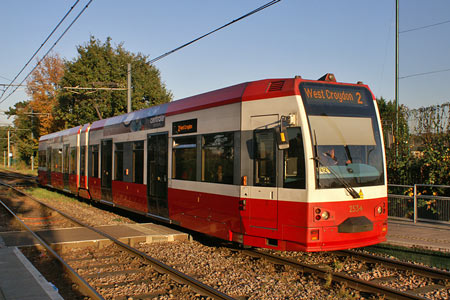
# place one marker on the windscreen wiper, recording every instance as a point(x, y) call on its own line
point(344, 182)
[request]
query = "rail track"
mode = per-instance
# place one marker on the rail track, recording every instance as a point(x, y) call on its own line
point(373, 276)
point(438, 279)
point(121, 265)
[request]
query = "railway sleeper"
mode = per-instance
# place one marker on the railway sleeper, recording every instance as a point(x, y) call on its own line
point(123, 283)
point(425, 289)
point(174, 291)
point(79, 259)
point(145, 296)
point(114, 273)
point(103, 265)
point(384, 279)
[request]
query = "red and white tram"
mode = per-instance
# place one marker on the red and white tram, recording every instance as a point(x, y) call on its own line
point(288, 164)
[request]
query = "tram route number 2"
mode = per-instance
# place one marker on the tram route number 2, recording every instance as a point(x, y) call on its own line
point(355, 208)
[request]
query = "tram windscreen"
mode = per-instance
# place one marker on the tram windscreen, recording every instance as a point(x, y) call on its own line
point(345, 134)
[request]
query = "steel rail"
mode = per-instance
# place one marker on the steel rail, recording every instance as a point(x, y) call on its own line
point(158, 265)
point(83, 286)
point(16, 175)
point(418, 269)
point(326, 274)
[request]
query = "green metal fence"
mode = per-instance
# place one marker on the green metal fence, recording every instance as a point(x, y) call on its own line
point(419, 202)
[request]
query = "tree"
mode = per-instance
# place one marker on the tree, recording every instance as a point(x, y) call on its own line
point(100, 65)
point(3, 143)
point(42, 87)
point(431, 128)
point(400, 163)
point(21, 133)
point(35, 117)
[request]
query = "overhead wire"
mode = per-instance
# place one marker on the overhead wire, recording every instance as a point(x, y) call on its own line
point(5, 78)
point(42, 45)
point(423, 27)
point(424, 73)
point(155, 59)
point(51, 48)
point(420, 28)
point(215, 30)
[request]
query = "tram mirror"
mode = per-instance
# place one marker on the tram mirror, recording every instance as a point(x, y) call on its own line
point(282, 138)
point(281, 132)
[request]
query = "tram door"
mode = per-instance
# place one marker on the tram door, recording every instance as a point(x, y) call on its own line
point(66, 155)
point(157, 170)
point(106, 149)
point(263, 208)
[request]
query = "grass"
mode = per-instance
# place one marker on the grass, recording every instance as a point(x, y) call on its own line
point(22, 170)
point(41, 193)
point(337, 265)
point(328, 280)
point(347, 294)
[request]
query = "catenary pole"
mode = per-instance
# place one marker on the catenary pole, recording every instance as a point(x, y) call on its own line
point(396, 74)
point(9, 150)
point(129, 88)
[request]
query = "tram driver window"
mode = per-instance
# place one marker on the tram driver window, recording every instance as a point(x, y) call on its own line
point(218, 158)
point(265, 163)
point(294, 160)
point(184, 158)
point(118, 162)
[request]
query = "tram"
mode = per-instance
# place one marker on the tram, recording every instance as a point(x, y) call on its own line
point(287, 164)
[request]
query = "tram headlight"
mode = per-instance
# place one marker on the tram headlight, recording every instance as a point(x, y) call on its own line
point(325, 215)
point(379, 210)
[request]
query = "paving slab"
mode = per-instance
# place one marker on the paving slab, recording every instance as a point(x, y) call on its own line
point(127, 233)
point(421, 235)
point(20, 280)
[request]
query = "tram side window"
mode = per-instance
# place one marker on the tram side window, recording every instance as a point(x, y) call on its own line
point(265, 163)
point(118, 162)
point(294, 160)
point(138, 162)
point(56, 160)
point(218, 158)
point(83, 161)
point(93, 161)
point(73, 160)
point(129, 162)
point(42, 158)
point(184, 158)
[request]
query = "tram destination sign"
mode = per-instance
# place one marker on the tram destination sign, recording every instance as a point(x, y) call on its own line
point(325, 94)
point(186, 126)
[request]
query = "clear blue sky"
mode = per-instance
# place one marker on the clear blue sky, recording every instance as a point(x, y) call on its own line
point(353, 39)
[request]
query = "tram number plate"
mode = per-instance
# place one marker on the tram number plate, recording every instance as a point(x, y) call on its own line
point(355, 208)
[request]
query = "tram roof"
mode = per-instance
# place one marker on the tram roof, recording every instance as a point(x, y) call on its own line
point(237, 93)
point(65, 132)
point(247, 91)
